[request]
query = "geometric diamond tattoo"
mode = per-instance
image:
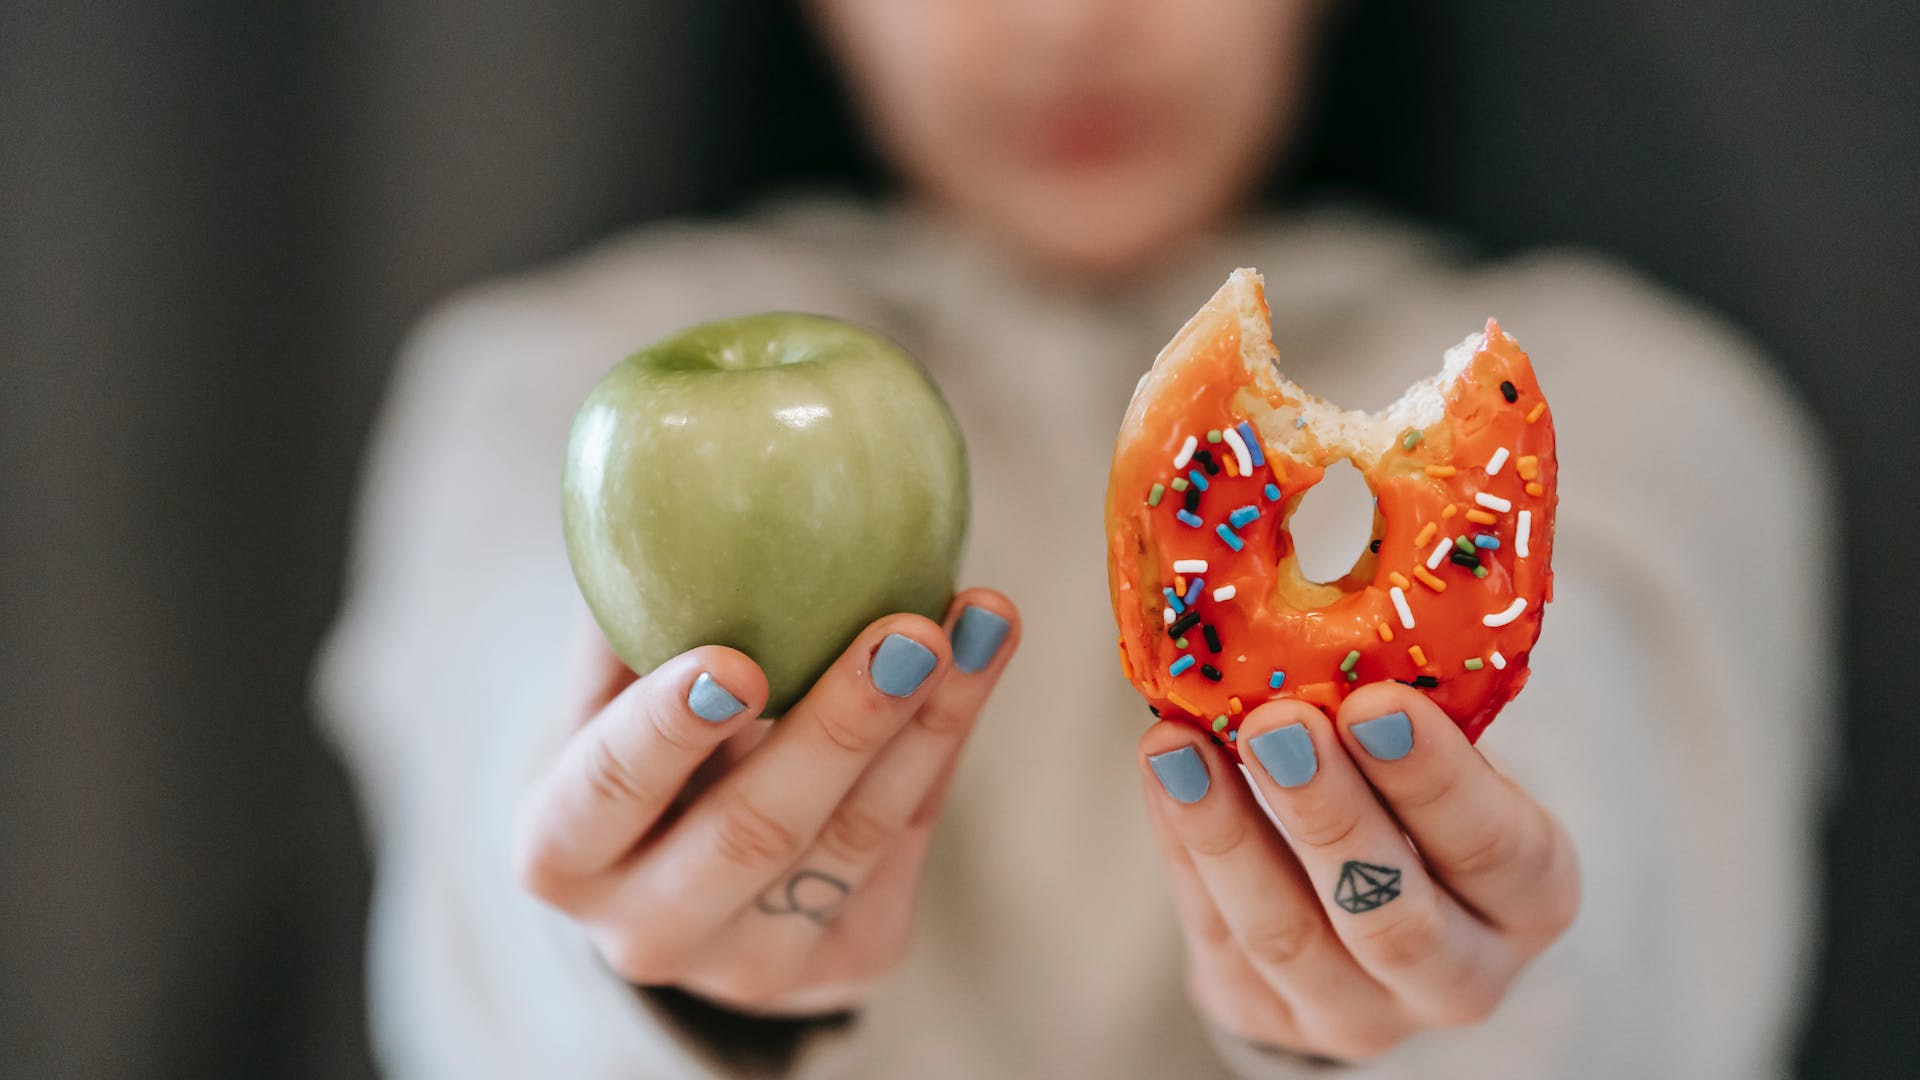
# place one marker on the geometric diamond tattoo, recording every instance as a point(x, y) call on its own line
point(1364, 886)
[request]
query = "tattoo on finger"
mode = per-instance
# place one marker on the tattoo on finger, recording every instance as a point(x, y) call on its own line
point(1364, 886)
point(808, 893)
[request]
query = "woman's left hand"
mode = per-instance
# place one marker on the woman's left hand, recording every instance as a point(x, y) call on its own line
point(1411, 885)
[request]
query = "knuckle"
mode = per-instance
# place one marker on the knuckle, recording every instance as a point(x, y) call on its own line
point(1212, 929)
point(1414, 937)
point(673, 728)
point(1279, 944)
point(1220, 841)
point(854, 834)
point(611, 776)
point(1436, 789)
point(751, 839)
point(1326, 830)
point(943, 716)
point(1497, 846)
point(860, 732)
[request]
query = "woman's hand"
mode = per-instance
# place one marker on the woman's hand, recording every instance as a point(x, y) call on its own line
point(1411, 885)
point(770, 869)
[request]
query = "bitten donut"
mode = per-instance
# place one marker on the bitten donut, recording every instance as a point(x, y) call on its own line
point(1213, 457)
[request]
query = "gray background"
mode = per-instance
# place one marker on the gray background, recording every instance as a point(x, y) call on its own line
point(216, 218)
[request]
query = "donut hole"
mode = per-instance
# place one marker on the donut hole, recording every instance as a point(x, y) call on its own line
point(1332, 524)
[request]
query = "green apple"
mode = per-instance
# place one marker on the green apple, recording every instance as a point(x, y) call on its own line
point(773, 483)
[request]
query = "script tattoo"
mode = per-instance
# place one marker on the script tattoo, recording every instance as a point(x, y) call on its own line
point(808, 893)
point(1364, 886)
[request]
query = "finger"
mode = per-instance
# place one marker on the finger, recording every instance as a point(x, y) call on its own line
point(1442, 963)
point(1487, 840)
point(1263, 897)
point(616, 776)
point(983, 629)
point(737, 838)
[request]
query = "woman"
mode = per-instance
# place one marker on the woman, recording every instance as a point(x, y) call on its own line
point(653, 882)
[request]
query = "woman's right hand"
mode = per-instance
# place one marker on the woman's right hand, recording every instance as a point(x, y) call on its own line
point(767, 868)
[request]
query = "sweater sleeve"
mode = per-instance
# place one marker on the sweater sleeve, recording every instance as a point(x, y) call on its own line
point(438, 685)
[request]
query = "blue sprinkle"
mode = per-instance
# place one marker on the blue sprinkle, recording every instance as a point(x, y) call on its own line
point(1253, 444)
point(1226, 534)
point(1173, 601)
point(1233, 736)
point(1193, 590)
point(1274, 680)
point(1299, 421)
point(1242, 517)
point(1191, 521)
point(1199, 478)
point(1180, 665)
point(1485, 540)
point(1273, 493)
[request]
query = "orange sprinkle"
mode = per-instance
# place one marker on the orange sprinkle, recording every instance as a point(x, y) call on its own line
point(1386, 632)
point(1535, 489)
point(1126, 662)
point(1534, 413)
point(1426, 534)
point(1418, 654)
point(1399, 579)
point(1233, 705)
point(1183, 704)
point(1429, 580)
point(1449, 512)
point(1179, 584)
point(1232, 469)
point(1442, 471)
point(1481, 517)
point(1528, 467)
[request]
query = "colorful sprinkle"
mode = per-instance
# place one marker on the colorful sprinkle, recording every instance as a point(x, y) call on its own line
point(1426, 534)
point(1180, 483)
point(1400, 607)
point(1425, 682)
point(1174, 699)
point(1213, 638)
point(1352, 659)
point(1276, 680)
point(1441, 471)
point(1449, 512)
point(1226, 535)
point(1233, 470)
point(1180, 666)
point(1299, 422)
point(1522, 533)
point(1528, 467)
point(1399, 580)
point(1429, 580)
point(1474, 664)
point(1168, 615)
point(1191, 521)
point(1252, 442)
point(1184, 623)
point(1418, 655)
point(1487, 540)
point(1173, 601)
point(1192, 501)
point(1499, 662)
point(1198, 479)
point(1180, 643)
point(1479, 571)
point(1219, 723)
point(1272, 493)
point(1243, 517)
point(1186, 452)
point(1224, 593)
point(1385, 631)
point(1353, 676)
point(1502, 618)
point(1412, 439)
point(1154, 494)
point(1189, 566)
point(1492, 502)
point(1211, 672)
point(1534, 413)
point(1498, 459)
point(1465, 545)
point(1205, 458)
point(1213, 436)
point(1536, 489)
point(1481, 517)
point(1233, 706)
point(1439, 553)
point(1242, 456)
point(1192, 596)
point(1507, 391)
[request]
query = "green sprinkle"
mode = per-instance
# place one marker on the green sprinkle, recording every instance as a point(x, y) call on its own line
point(1412, 440)
point(1476, 664)
point(1219, 723)
point(1153, 496)
point(1479, 571)
point(1213, 436)
point(1465, 545)
point(1353, 676)
point(1352, 659)
point(1179, 483)
point(1180, 642)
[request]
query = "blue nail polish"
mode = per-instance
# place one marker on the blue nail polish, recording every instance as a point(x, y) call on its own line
point(1387, 738)
point(711, 702)
point(976, 637)
point(1287, 754)
point(1182, 773)
point(901, 664)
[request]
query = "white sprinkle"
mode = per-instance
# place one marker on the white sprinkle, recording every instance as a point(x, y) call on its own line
point(1189, 566)
point(1520, 534)
point(1498, 459)
point(1224, 592)
point(1166, 615)
point(1492, 502)
point(1499, 662)
point(1186, 452)
point(1240, 455)
point(1439, 553)
point(1502, 618)
point(1400, 605)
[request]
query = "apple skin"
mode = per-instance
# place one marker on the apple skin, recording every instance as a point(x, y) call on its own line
point(773, 483)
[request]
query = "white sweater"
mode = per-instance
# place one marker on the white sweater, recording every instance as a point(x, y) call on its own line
point(1678, 721)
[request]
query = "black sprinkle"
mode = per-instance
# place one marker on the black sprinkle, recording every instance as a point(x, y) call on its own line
point(1193, 500)
point(1183, 624)
point(1507, 391)
point(1210, 672)
point(1375, 546)
point(1205, 457)
point(1464, 559)
point(1426, 682)
point(1212, 636)
point(1155, 710)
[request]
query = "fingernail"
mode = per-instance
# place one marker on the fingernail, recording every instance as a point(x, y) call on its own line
point(976, 637)
point(901, 664)
point(711, 702)
point(1387, 738)
point(1182, 773)
point(1287, 754)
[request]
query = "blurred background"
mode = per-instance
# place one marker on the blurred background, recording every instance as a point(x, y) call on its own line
point(217, 219)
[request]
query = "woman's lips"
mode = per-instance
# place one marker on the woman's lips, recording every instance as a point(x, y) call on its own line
point(1081, 135)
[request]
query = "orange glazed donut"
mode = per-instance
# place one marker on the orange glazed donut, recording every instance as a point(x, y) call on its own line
point(1214, 455)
